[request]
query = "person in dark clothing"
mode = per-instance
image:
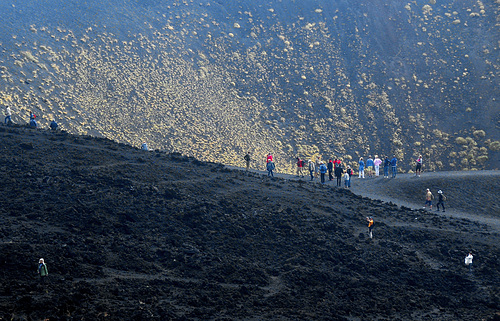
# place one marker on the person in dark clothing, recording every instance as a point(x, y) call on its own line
point(53, 125)
point(311, 166)
point(330, 170)
point(338, 174)
point(387, 163)
point(394, 164)
point(270, 168)
point(247, 160)
point(441, 199)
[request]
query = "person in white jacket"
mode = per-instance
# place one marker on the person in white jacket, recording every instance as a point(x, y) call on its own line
point(468, 261)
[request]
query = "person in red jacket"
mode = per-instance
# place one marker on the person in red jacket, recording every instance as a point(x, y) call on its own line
point(300, 167)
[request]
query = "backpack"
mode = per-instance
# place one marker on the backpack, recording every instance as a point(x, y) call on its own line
point(302, 163)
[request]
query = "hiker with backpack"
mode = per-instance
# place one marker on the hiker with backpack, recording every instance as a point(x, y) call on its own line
point(441, 199)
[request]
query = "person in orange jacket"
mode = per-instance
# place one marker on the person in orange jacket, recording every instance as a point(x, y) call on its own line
point(369, 219)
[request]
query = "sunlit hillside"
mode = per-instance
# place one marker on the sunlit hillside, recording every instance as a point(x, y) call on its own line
point(214, 79)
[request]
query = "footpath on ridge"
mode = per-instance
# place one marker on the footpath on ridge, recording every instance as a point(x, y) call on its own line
point(480, 188)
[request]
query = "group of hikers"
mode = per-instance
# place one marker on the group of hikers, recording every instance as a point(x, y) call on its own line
point(336, 169)
point(32, 119)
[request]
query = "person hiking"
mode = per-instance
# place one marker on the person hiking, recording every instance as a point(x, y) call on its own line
point(361, 168)
point(377, 162)
point(8, 116)
point(468, 261)
point(338, 174)
point(369, 166)
point(300, 167)
point(387, 163)
point(418, 167)
point(32, 122)
point(270, 168)
point(322, 171)
point(369, 219)
point(42, 270)
point(53, 125)
point(350, 173)
point(428, 199)
point(247, 160)
point(346, 179)
point(441, 199)
point(312, 168)
point(317, 164)
point(394, 165)
point(330, 170)
point(144, 146)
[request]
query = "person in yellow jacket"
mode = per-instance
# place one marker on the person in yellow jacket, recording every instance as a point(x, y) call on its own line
point(369, 219)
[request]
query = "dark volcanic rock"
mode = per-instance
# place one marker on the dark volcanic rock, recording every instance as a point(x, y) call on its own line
point(170, 238)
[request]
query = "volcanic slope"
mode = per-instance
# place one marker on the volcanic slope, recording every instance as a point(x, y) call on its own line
point(135, 235)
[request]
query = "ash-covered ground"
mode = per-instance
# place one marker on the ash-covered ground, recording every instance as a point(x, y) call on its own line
point(134, 235)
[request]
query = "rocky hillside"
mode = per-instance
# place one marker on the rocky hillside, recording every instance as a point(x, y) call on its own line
point(213, 79)
point(134, 235)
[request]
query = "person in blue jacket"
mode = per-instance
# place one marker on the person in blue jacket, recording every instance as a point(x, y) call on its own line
point(322, 171)
point(394, 163)
point(361, 168)
point(270, 168)
point(370, 166)
point(53, 125)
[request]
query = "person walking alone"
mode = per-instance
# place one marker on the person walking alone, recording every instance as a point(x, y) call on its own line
point(370, 226)
point(468, 261)
point(42, 270)
point(418, 167)
point(8, 115)
point(247, 161)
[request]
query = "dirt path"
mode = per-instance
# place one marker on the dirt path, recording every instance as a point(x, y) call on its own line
point(375, 188)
